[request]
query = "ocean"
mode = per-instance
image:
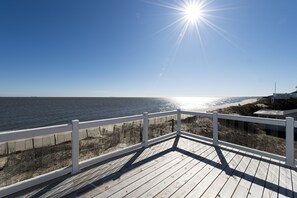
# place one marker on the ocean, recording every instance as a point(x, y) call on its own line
point(21, 113)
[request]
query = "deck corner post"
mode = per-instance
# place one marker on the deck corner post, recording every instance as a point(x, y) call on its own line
point(215, 138)
point(290, 159)
point(178, 127)
point(145, 130)
point(75, 146)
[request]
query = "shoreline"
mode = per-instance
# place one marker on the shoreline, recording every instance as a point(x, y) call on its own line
point(214, 108)
point(56, 111)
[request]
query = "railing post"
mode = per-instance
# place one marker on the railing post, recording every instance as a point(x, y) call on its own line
point(178, 127)
point(215, 138)
point(290, 159)
point(75, 146)
point(145, 130)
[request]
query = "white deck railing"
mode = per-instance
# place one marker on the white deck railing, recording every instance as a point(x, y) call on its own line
point(75, 125)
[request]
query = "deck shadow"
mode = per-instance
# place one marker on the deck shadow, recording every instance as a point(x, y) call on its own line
point(132, 163)
point(223, 165)
point(233, 172)
point(41, 189)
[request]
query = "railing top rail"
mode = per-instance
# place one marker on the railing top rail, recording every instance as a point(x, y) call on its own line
point(29, 133)
point(270, 121)
point(160, 114)
point(41, 131)
point(96, 123)
point(202, 114)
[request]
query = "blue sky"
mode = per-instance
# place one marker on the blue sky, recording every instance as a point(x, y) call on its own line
point(118, 48)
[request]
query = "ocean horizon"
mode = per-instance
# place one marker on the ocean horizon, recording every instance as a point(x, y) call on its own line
point(30, 112)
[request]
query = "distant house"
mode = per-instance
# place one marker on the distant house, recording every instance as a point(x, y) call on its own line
point(284, 96)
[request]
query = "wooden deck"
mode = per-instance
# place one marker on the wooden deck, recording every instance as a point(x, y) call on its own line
point(179, 167)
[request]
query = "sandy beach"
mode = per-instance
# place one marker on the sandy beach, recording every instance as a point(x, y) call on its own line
point(244, 102)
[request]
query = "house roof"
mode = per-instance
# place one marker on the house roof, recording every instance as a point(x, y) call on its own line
point(270, 112)
point(275, 112)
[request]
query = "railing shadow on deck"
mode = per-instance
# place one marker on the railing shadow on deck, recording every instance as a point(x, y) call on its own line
point(132, 163)
point(224, 166)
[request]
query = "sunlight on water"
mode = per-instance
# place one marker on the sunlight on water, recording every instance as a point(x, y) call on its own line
point(20, 113)
point(189, 103)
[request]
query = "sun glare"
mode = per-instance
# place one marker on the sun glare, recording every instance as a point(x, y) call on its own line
point(193, 13)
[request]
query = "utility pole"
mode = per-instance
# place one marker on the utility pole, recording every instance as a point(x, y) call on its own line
point(273, 95)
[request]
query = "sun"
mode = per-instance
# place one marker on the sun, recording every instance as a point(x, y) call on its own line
point(193, 13)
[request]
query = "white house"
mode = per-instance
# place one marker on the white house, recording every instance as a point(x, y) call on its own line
point(284, 96)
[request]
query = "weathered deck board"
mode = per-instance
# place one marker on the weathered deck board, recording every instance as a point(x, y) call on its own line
point(271, 186)
point(178, 168)
point(156, 182)
point(186, 189)
point(223, 177)
point(216, 186)
point(157, 188)
point(155, 175)
point(285, 183)
point(294, 180)
point(258, 184)
point(85, 178)
point(166, 192)
point(127, 179)
point(246, 180)
point(207, 180)
point(148, 184)
point(148, 172)
point(154, 164)
point(235, 177)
